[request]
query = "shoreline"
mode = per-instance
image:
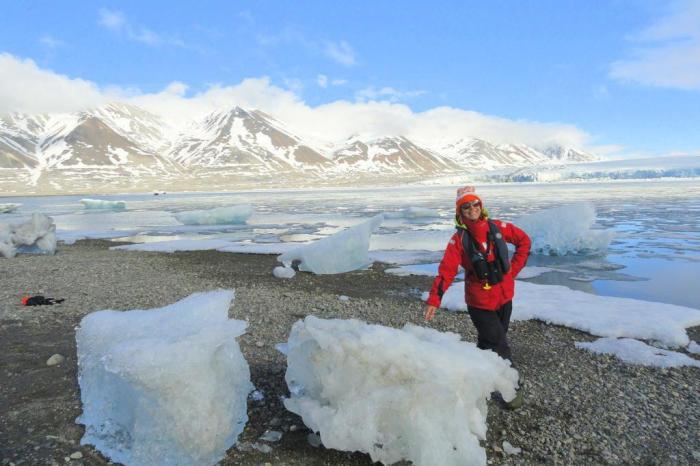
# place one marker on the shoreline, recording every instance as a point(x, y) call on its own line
point(580, 408)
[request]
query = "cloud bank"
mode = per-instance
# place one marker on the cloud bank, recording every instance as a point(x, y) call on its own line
point(24, 87)
point(668, 51)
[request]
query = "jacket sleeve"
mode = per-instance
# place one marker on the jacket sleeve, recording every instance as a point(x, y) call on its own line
point(522, 243)
point(447, 270)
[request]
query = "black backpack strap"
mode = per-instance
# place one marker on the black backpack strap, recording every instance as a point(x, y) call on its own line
point(496, 237)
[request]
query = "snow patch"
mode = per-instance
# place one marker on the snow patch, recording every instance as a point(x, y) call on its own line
point(637, 352)
point(603, 316)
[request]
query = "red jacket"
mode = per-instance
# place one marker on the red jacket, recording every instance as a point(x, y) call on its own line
point(475, 294)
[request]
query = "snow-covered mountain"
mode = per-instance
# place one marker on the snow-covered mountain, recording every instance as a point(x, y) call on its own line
point(247, 140)
point(389, 155)
point(123, 144)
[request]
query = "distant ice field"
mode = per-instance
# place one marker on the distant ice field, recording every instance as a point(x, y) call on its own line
point(654, 254)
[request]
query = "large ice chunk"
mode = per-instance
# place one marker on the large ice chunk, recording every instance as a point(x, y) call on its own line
point(164, 386)
point(563, 230)
point(341, 252)
point(414, 394)
point(37, 235)
point(232, 215)
point(102, 204)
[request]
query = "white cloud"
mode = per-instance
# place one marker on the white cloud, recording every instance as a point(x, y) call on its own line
point(112, 19)
point(51, 42)
point(25, 87)
point(116, 21)
point(385, 93)
point(339, 82)
point(322, 80)
point(668, 54)
point(341, 52)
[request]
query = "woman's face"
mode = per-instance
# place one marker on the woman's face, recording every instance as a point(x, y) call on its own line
point(471, 210)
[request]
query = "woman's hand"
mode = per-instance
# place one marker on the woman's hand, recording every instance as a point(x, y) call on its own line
point(430, 313)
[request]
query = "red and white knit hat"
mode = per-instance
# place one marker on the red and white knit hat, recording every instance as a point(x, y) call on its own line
point(466, 194)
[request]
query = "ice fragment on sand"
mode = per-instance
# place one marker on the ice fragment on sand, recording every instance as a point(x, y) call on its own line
point(219, 216)
point(271, 436)
point(693, 348)
point(510, 449)
point(164, 386)
point(345, 373)
point(100, 204)
point(341, 252)
point(37, 235)
point(283, 272)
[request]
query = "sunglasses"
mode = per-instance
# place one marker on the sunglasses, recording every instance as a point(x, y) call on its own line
point(469, 205)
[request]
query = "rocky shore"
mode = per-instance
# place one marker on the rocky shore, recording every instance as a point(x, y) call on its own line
point(579, 408)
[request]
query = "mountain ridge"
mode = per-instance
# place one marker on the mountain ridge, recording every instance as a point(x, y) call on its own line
point(127, 144)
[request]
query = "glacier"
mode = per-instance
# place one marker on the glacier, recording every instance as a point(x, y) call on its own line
point(397, 394)
point(342, 252)
point(164, 386)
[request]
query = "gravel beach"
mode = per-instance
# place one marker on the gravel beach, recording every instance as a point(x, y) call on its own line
point(579, 408)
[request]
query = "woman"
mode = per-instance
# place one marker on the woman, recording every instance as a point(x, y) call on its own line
point(479, 246)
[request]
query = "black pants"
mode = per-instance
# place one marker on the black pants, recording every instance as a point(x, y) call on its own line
point(492, 327)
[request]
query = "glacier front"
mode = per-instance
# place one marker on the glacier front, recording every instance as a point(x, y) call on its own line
point(164, 386)
point(412, 394)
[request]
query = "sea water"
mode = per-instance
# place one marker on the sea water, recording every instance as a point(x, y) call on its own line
point(655, 254)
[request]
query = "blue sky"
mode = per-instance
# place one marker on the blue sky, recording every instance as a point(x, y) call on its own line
point(625, 75)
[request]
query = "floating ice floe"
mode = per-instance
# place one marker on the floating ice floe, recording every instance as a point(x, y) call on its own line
point(164, 386)
point(532, 271)
point(219, 216)
point(418, 394)
point(637, 352)
point(37, 236)
point(283, 272)
point(102, 204)
point(175, 245)
point(413, 213)
point(9, 207)
point(341, 252)
point(567, 229)
point(603, 316)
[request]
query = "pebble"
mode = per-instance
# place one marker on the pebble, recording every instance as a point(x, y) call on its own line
point(55, 360)
point(259, 344)
point(76, 456)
